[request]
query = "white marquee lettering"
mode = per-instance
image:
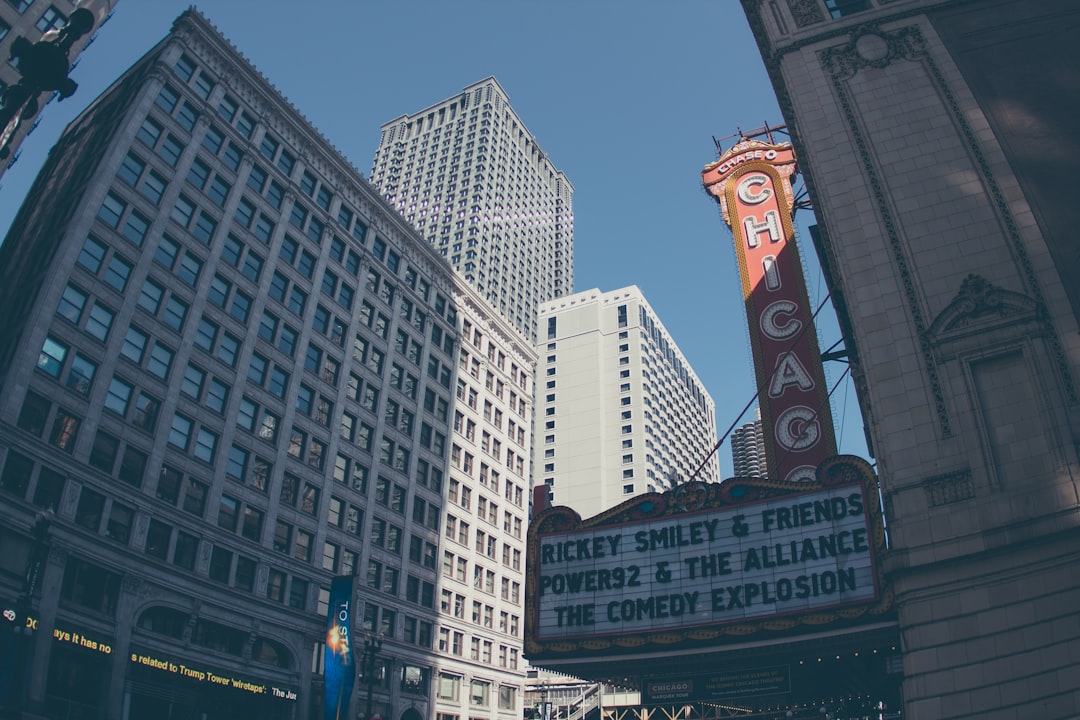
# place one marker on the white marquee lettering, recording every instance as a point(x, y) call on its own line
point(770, 225)
point(736, 160)
point(798, 429)
point(777, 322)
point(803, 473)
point(789, 371)
point(772, 273)
point(746, 189)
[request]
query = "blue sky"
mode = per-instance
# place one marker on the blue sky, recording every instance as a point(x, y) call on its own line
point(624, 97)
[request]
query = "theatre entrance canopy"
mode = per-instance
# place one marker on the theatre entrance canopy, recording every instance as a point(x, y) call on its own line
point(719, 592)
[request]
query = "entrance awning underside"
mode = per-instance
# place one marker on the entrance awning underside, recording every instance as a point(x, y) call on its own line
point(854, 669)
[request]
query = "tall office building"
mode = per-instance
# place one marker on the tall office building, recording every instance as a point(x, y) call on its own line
point(475, 183)
point(936, 137)
point(619, 410)
point(30, 20)
point(748, 449)
point(228, 374)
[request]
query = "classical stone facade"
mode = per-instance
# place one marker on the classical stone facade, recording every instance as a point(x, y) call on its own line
point(230, 372)
point(936, 140)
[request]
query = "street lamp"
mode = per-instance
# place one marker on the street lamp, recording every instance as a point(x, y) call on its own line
point(372, 646)
point(545, 707)
point(24, 605)
point(44, 67)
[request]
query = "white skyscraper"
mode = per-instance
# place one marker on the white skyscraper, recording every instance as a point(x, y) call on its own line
point(620, 411)
point(472, 179)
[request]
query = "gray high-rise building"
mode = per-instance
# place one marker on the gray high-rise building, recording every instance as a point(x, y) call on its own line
point(748, 449)
point(475, 183)
point(230, 372)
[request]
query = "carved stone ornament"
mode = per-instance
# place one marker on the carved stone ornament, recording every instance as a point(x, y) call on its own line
point(870, 47)
point(805, 12)
point(949, 488)
point(689, 497)
point(980, 301)
point(58, 557)
point(131, 584)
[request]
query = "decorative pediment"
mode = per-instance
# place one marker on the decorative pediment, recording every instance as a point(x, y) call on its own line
point(980, 305)
point(871, 47)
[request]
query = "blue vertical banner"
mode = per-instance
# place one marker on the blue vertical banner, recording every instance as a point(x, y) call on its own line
point(340, 665)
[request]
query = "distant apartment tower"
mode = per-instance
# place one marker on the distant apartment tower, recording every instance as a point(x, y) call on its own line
point(619, 410)
point(30, 19)
point(475, 183)
point(228, 368)
point(748, 449)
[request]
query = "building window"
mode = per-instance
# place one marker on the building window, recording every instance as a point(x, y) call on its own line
point(479, 693)
point(449, 687)
point(220, 564)
point(118, 396)
point(65, 430)
point(185, 550)
point(90, 586)
point(51, 359)
point(245, 573)
point(507, 697)
point(50, 19)
point(275, 585)
point(843, 8)
point(157, 540)
point(81, 375)
point(90, 508)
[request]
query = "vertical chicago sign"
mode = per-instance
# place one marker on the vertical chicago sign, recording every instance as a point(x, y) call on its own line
point(752, 182)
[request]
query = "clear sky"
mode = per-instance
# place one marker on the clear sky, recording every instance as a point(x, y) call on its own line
point(624, 97)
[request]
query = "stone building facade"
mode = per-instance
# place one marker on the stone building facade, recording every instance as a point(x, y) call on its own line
point(937, 140)
point(231, 372)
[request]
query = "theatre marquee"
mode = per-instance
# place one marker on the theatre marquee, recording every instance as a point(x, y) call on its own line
point(705, 561)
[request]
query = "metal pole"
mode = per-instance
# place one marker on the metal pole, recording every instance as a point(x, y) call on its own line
point(371, 650)
point(25, 622)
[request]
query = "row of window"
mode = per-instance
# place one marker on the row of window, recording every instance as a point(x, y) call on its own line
point(486, 543)
point(190, 493)
point(258, 180)
point(449, 686)
point(456, 567)
point(238, 304)
point(50, 19)
point(199, 383)
point(164, 541)
point(295, 299)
